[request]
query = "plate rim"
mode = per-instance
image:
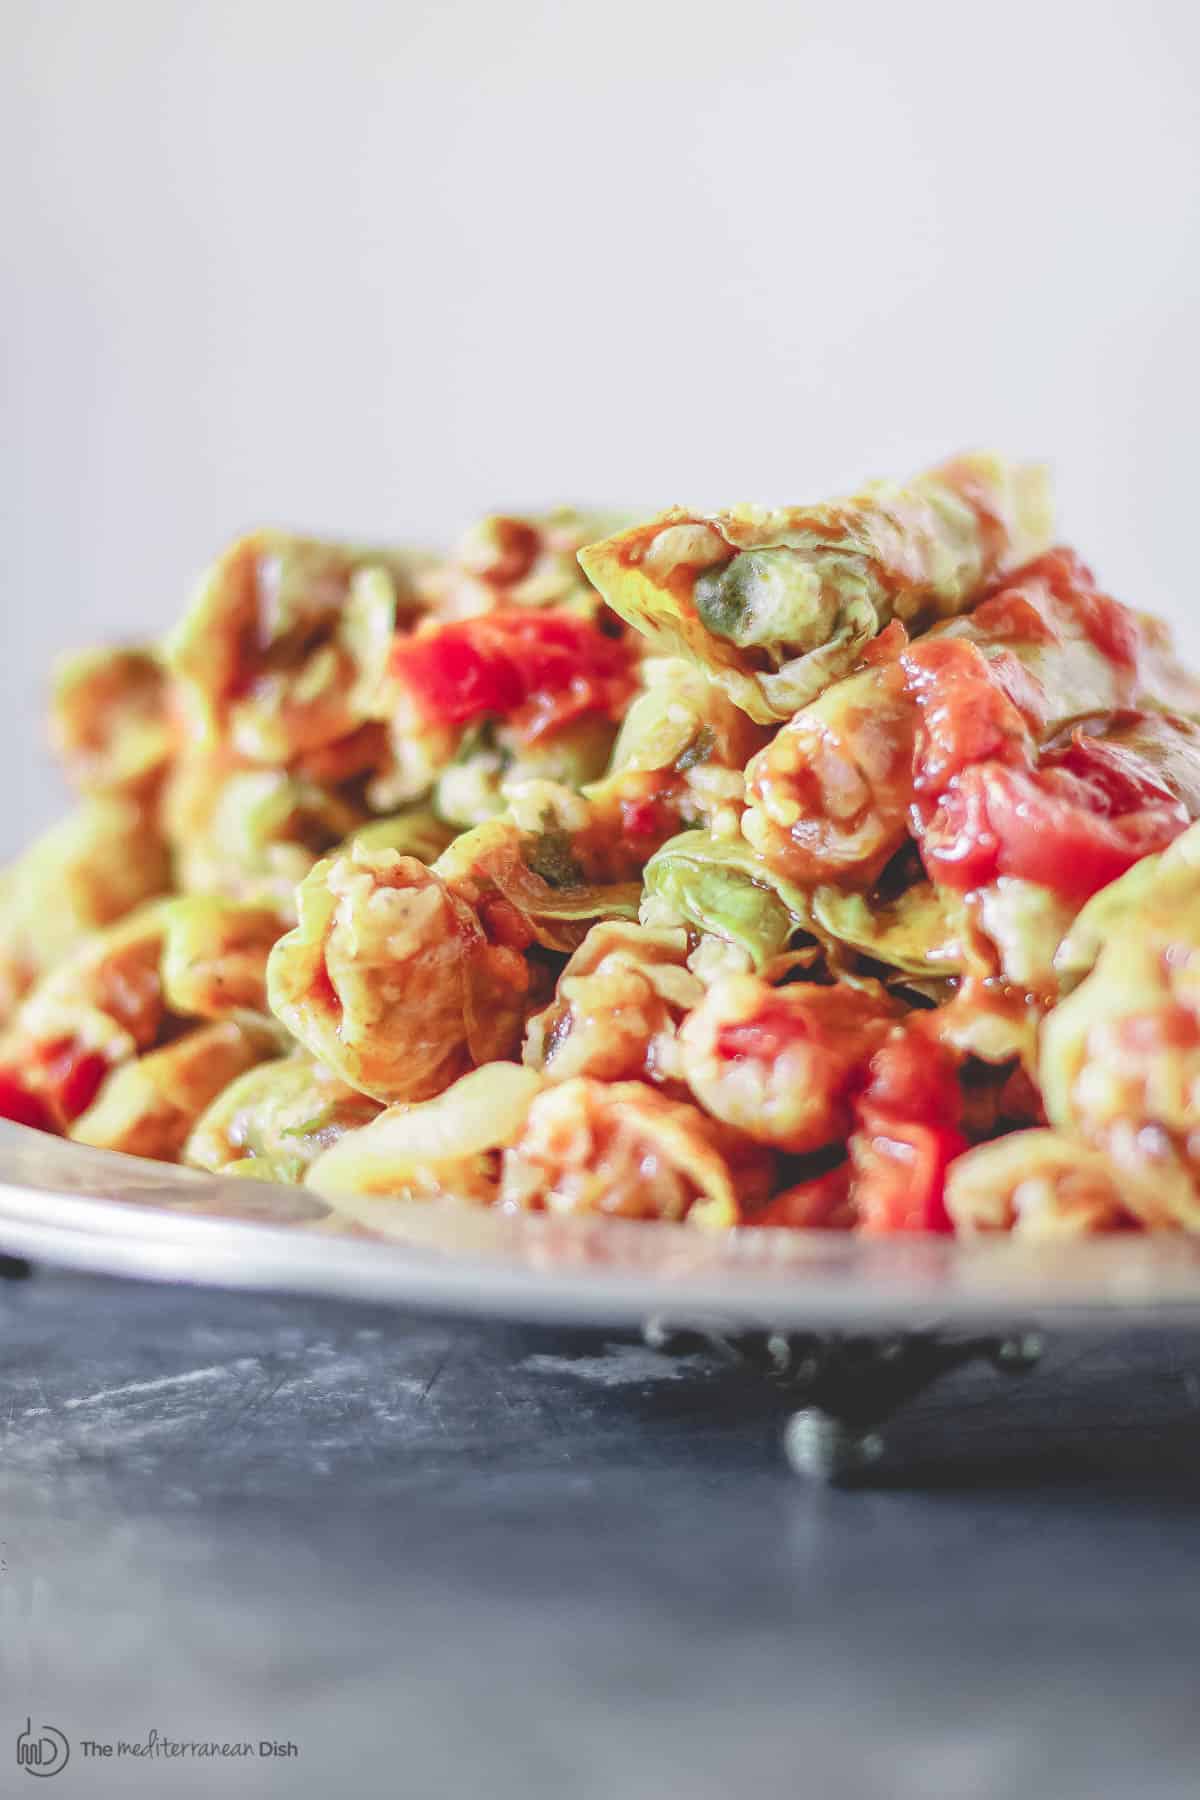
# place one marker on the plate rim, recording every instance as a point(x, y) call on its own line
point(598, 1272)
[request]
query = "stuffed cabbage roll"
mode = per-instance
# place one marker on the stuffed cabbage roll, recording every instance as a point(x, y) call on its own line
point(214, 957)
point(286, 642)
point(1040, 1185)
point(401, 977)
point(543, 873)
point(149, 1107)
point(617, 1008)
point(781, 1064)
point(960, 721)
point(775, 603)
point(254, 834)
point(280, 1116)
point(110, 719)
point(625, 1150)
point(921, 931)
point(98, 864)
point(383, 975)
point(719, 887)
point(446, 1146)
point(508, 559)
point(132, 989)
point(1120, 1056)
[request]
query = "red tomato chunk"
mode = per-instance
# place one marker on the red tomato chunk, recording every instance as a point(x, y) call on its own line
point(1057, 826)
point(19, 1105)
point(70, 1077)
point(907, 1135)
point(538, 670)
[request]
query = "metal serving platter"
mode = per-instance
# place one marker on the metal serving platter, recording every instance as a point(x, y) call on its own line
point(87, 1209)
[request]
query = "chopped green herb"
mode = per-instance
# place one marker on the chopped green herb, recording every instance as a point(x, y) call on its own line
point(478, 738)
point(551, 855)
point(698, 751)
point(310, 1127)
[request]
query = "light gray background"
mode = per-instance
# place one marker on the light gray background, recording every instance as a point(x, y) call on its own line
point(375, 267)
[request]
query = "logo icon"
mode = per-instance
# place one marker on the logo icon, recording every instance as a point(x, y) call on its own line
point(46, 1754)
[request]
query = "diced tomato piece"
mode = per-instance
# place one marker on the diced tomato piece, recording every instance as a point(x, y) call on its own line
point(647, 818)
point(908, 1131)
point(967, 715)
point(1056, 596)
point(767, 1035)
point(914, 1077)
point(978, 700)
point(900, 1176)
point(454, 679)
point(1113, 628)
point(69, 1077)
point(1069, 831)
point(503, 924)
point(822, 1203)
point(20, 1105)
point(538, 669)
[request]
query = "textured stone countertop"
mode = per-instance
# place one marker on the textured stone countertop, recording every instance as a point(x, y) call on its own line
point(450, 1559)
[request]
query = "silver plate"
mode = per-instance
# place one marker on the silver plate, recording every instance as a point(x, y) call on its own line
point(91, 1209)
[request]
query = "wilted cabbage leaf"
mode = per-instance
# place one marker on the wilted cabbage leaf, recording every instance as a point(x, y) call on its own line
point(282, 1115)
point(920, 931)
point(721, 887)
point(776, 603)
point(445, 1145)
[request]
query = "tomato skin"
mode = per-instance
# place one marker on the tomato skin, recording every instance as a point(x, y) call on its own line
point(537, 669)
point(987, 803)
point(1063, 830)
point(1056, 595)
point(773, 1029)
point(69, 1077)
point(822, 1203)
point(20, 1105)
point(907, 1133)
point(840, 1022)
point(648, 817)
point(900, 1176)
point(1113, 628)
point(1122, 777)
point(503, 924)
point(888, 646)
point(913, 1076)
point(967, 713)
point(977, 698)
point(453, 679)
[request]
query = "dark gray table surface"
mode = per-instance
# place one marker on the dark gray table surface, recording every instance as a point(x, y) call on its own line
point(445, 1558)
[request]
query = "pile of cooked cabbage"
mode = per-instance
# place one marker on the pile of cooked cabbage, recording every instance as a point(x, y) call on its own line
point(824, 866)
